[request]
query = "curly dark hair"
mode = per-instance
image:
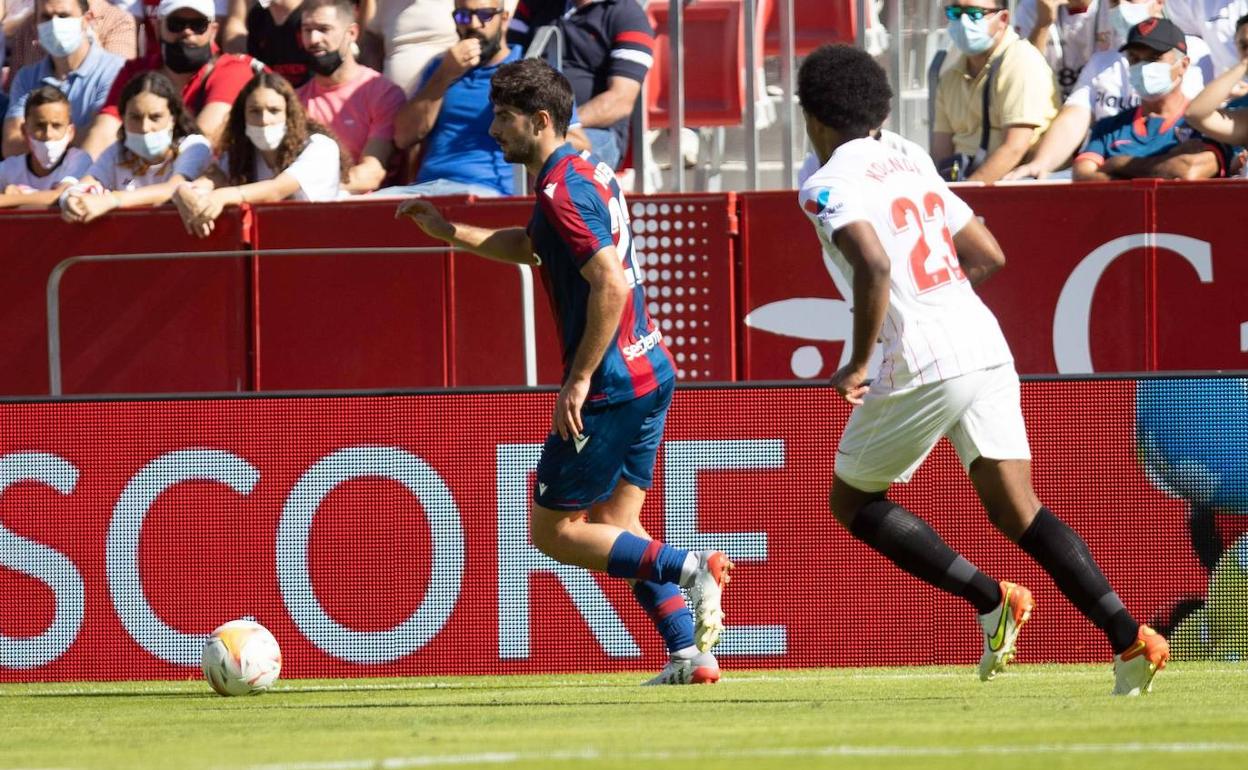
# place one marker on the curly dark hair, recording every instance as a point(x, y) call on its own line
point(241, 153)
point(530, 85)
point(156, 84)
point(845, 89)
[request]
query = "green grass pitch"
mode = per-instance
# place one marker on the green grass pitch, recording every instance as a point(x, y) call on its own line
point(929, 717)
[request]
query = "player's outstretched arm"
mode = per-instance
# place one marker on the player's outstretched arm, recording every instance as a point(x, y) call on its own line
point(979, 254)
point(511, 245)
point(608, 293)
point(872, 268)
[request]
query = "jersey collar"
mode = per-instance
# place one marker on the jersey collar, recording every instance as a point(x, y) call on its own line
point(555, 157)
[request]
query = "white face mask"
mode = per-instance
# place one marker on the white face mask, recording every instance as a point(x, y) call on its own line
point(266, 137)
point(49, 153)
point(1151, 79)
point(1127, 15)
point(60, 36)
point(151, 146)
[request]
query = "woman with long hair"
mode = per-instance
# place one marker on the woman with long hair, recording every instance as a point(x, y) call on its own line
point(157, 149)
point(269, 151)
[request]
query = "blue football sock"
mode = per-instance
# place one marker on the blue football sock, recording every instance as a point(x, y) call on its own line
point(665, 605)
point(635, 557)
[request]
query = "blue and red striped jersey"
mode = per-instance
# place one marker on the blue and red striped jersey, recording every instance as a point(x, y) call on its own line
point(580, 211)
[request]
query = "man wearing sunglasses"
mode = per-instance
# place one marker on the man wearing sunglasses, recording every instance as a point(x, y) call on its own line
point(353, 100)
point(1022, 97)
point(450, 114)
point(190, 59)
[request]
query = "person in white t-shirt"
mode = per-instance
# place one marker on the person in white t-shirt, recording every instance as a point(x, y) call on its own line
point(1067, 32)
point(157, 149)
point(1104, 89)
point(270, 151)
point(915, 251)
point(1215, 22)
point(50, 166)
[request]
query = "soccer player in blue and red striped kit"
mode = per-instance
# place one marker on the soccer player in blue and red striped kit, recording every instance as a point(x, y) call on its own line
point(598, 460)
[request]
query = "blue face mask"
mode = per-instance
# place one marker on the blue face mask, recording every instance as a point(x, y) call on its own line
point(151, 146)
point(60, 36)
point(971, 37)
point(1151, 80)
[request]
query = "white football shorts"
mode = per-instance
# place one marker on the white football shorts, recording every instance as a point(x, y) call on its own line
point(890, 435)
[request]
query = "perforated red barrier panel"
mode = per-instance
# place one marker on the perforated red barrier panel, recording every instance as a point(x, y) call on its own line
point(387, 535)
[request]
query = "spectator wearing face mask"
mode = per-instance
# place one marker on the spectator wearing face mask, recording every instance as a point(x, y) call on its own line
point(354, 101)
point(1067, 32)
point(270, 32)
point(271, 151)
point(75, 63)
point(207, 80)
point(1154, 139)
point(1104, 89)
point(156, 150)
point(114, 30)
point(50, 166)
point(1021, 98)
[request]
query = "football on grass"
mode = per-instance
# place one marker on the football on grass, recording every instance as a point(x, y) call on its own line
point(241, 658)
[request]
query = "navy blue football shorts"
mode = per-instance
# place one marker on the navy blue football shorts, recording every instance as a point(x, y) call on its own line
point(617, 441)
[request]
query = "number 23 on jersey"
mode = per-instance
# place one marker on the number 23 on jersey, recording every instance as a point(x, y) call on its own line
point(933, 260)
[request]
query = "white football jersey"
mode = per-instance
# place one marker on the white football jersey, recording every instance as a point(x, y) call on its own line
point(936, 327)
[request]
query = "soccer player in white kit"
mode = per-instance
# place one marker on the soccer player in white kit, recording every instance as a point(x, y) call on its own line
point(915, 250)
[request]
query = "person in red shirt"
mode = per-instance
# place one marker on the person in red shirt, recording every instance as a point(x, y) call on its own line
point(209, 80)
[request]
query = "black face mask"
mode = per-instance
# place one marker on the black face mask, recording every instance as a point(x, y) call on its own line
point(181, 57)
point(324, 64)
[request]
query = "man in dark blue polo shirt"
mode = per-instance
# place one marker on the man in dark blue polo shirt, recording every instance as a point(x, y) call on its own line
point(608, 49)
point(1154, 139)
point(450, 112)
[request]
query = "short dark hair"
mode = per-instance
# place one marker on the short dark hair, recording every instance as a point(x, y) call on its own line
point(1241, 21)
point(845, 89)
point(42, 95)
point(530, 85)
point(84, 5)
point(344, 8)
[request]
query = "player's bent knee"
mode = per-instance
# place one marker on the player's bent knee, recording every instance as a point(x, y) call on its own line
point(549, 529)
point(846, 501)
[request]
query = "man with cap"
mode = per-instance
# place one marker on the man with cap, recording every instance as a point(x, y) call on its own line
point(75, 63)
point(187, 56)
point(1154, 140)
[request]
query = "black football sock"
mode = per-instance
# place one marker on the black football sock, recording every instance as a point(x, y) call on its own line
point(1066, 558)
point(914, 546)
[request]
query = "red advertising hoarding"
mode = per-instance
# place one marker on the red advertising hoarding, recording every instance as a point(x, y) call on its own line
point(386, 535)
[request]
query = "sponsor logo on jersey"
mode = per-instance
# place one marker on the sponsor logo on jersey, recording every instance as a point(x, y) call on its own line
point(550, 189)
point(642, 346)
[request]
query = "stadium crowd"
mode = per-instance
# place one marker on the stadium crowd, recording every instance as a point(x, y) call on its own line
point(212, 103)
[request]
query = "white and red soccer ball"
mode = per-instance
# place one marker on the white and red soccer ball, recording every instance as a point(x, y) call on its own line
point(241, 658)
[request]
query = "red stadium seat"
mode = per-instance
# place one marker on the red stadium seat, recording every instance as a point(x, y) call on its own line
point(815, 22)
point(714, 64)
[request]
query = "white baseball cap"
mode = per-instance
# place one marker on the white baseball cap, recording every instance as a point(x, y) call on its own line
point(205, 8)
